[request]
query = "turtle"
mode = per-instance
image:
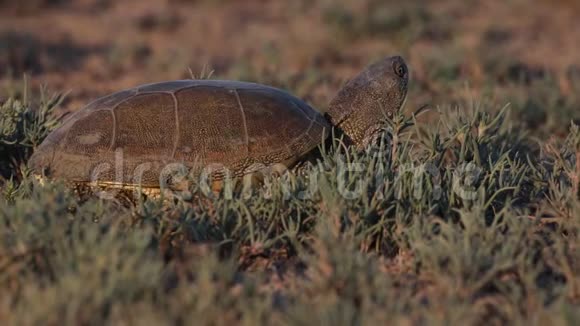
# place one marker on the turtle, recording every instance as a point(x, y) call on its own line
point(140, 136)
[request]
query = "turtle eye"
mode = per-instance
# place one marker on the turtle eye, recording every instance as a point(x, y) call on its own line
point(400, 69)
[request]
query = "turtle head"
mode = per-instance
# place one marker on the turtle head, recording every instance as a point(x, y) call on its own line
point(362, 105)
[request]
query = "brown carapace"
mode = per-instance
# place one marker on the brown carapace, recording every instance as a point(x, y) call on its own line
point(142, 136)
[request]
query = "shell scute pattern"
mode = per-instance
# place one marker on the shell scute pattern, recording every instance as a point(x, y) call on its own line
point(145, 125)
point(235, 125)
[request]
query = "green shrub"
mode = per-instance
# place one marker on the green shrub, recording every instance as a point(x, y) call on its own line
point(23, 126)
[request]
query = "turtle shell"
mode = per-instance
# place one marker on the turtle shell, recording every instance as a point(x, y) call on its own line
point(138, 136)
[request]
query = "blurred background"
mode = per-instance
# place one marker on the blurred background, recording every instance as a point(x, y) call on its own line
point(525, 53)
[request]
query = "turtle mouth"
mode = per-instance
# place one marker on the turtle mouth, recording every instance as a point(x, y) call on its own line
point(403, 89)
point(403, 101)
